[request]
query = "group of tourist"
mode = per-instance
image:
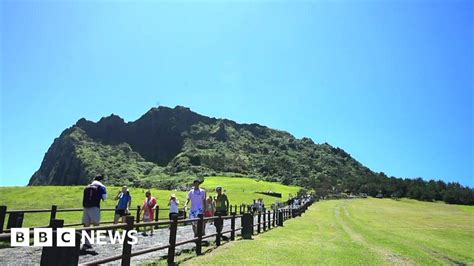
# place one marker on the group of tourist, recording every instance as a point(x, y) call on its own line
point(258, 205)
point(206, 206)
point(210, 206)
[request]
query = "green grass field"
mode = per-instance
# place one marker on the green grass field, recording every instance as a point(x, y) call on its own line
point(239, 190)
point(359, 232)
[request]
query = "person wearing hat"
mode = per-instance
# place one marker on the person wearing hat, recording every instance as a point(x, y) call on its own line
point(197, 196)
point(174, 206)
point(222, 206)
point(123, 204)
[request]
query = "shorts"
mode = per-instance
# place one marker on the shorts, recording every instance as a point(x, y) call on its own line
point(173, 214)
point(121, 212)
point(91, 215)
point(219, 222)
point(194, 213)
point(147, 218)
point(208, 214)
point(221, 213)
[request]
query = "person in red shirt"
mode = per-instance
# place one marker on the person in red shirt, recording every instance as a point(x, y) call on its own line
point(148, 210)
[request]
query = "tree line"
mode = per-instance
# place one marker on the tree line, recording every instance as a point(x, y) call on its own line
point(381, 185)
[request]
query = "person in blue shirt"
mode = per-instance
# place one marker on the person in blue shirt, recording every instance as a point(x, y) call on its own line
point(123, 205)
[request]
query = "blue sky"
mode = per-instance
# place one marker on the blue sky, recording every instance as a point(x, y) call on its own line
point(390, 82)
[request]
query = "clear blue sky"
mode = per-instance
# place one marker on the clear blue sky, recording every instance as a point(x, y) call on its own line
point(390, 82)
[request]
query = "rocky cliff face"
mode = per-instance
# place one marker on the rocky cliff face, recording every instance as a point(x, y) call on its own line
point(167, 142)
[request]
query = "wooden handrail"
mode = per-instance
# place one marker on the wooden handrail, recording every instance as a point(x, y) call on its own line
point(67, 210)
point(126, 255)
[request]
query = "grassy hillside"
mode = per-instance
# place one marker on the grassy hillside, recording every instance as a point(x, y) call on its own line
point(352, 232)
point(239, 190)
point(177, 141)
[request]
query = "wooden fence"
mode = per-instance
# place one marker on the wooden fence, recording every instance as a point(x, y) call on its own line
point(266, 220)
point(16, 217)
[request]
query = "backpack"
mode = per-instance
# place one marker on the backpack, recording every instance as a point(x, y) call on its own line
point(91, 197)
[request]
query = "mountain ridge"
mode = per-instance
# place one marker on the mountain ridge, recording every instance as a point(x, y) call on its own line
point(170, 129)
point(166, 147)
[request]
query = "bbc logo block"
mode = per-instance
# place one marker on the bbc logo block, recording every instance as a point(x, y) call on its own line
point(20, 237)
point(66, 237)
point(43, 237)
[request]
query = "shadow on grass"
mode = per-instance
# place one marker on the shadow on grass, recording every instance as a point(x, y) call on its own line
point(186, 255)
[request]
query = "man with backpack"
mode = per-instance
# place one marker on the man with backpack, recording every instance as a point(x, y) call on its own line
point(93, 195)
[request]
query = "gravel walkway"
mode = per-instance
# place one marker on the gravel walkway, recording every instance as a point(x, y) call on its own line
point(32, 255)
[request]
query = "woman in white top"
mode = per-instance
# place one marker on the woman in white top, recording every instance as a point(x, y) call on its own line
point(174, 206)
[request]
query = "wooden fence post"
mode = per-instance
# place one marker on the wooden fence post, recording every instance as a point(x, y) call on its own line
point(171, 249)
point(232, 227)
point(247, 225)
point(240, 209)
point(138, 216)
point(258, 222)
point(55, 255)
point(274, 217)
point(219, 230)
point(199, 229)
point(54, 208)
point(55, 224)
point(269, 220)
point(280, 218)
point(3, 214)
point(15, 220)
point(264, 222)
point(157, 214)
point(127, 247)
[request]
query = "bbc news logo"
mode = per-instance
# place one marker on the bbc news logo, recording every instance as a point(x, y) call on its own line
point(66, 237)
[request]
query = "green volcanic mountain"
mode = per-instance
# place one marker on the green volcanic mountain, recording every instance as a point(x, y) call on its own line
point(168, 142)
point(166, 147)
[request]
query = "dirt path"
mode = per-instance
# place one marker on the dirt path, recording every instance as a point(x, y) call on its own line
point(389, 256)
point(32, 255)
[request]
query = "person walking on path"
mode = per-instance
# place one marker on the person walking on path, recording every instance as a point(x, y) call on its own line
point(197, 196)
point(92, 196)
point(210, 207)
point(123, 205)
point(222, 207)
point(174, 206)
point(148, 211)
